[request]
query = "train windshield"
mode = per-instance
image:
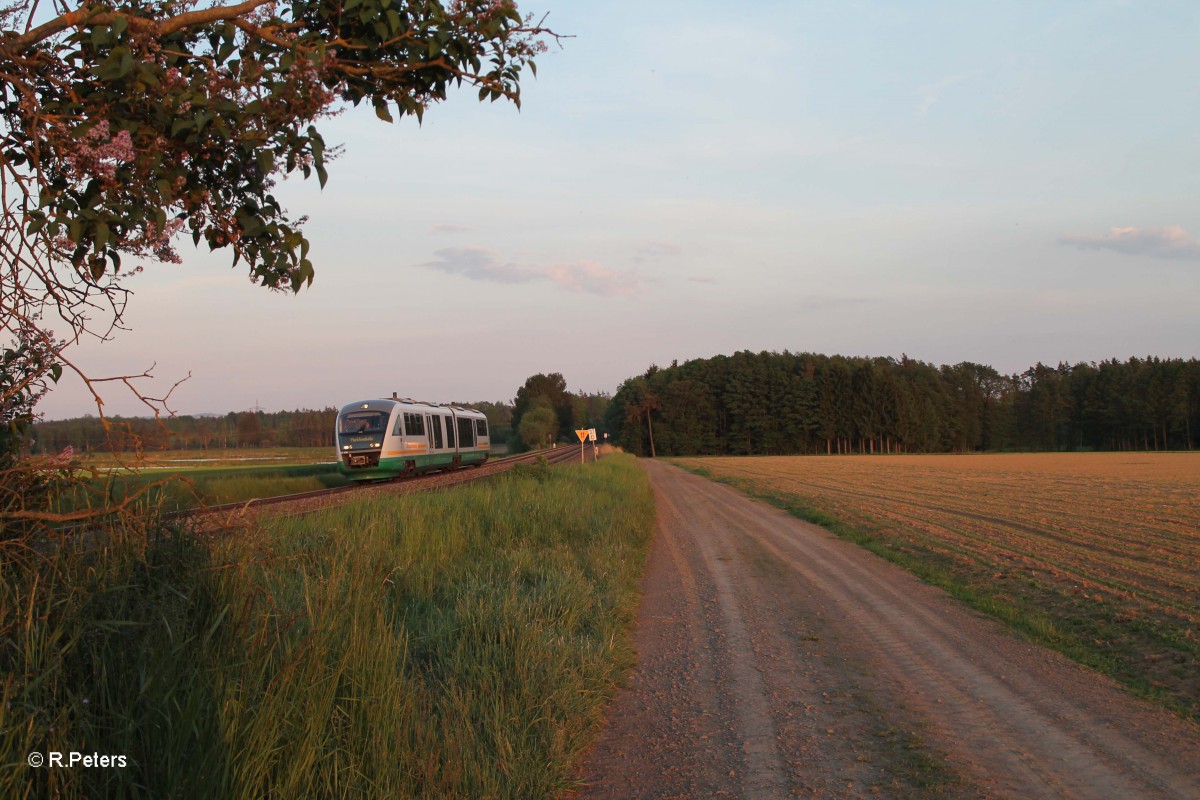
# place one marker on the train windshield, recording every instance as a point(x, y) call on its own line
point(363, 422)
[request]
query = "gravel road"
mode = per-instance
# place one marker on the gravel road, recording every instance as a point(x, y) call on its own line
point(778, 661)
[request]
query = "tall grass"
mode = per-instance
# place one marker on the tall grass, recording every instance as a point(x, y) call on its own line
point(458, 644)
point(191, 488)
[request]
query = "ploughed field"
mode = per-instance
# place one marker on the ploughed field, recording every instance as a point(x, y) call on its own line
point(1095, 554)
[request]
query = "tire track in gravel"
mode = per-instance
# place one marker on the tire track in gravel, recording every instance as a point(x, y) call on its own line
point(765, 777)
point(781, 617)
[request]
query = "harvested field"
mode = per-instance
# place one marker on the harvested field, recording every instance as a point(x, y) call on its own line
point(1097, 555)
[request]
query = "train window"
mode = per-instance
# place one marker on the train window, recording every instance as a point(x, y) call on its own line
point(363, 422)
point(481, 427)
point(466, 433)
point(398, 430)
point(414, 424)
point(435, 423)
point(449, 431)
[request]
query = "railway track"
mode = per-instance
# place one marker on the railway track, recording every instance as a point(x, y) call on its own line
point(229, 514)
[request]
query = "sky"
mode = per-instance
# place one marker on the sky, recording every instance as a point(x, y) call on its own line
point(1004, 183)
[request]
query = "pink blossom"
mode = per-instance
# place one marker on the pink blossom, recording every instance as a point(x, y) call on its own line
point(97, 153)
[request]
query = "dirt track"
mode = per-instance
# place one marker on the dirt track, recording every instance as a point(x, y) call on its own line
point(777, 661)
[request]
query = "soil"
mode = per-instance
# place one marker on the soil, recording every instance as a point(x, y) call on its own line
point(778, 661)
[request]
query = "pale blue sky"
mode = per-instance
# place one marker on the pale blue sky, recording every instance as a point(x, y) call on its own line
point(1001, 183)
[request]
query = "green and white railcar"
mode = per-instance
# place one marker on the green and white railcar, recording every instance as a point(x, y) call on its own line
point(381, 439)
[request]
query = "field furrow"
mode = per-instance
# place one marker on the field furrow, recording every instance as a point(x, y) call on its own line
point(1082, 561)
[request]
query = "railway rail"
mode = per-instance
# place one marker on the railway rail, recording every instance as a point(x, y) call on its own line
point(229, 514)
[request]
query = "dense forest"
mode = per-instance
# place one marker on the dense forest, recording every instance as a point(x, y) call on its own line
point(776, 403)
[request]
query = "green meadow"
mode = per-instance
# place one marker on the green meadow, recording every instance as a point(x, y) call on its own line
point(449, 644)
point(173, 488)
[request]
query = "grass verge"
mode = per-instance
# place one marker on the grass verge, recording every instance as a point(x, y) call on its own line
point(190, 488)
point(454, 644)
point(1121, 646)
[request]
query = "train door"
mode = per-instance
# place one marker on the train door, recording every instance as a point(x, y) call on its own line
point(450, 431)
point(434, 424)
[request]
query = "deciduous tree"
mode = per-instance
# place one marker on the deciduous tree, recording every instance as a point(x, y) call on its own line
point(126, 122)
point(539, 425)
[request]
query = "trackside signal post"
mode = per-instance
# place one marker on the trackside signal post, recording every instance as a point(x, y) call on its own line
point(583, 435)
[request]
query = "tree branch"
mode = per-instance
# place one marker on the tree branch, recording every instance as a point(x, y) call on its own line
point(93, 16)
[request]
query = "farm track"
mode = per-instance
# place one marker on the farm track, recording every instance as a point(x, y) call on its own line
point(776, 660)
point(231, 515)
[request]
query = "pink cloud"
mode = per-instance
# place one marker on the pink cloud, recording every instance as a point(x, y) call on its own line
point(1171, 242)
point(589, 277)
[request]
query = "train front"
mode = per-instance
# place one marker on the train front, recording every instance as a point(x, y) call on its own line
point(361, 428)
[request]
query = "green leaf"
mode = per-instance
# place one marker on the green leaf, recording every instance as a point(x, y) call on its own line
point(381, 109)
point(100, 237)
point(251, 225)
point(118, 64)
point(316, 143)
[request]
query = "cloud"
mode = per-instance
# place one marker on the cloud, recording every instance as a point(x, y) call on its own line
point(593, 278)
point(656, 250)
point(1171, 242)
point(589, 277)
point(702, 279)
point(450, 229)
point(480, 264)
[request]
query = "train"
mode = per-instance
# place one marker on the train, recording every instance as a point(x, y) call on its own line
point(400, 437)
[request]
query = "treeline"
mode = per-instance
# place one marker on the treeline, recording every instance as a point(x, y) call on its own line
point(782, 403)
point(300, 428)
point(240, 429)
point(545, 411)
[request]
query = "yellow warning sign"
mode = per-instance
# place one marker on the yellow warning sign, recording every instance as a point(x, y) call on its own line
point(583, 435)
